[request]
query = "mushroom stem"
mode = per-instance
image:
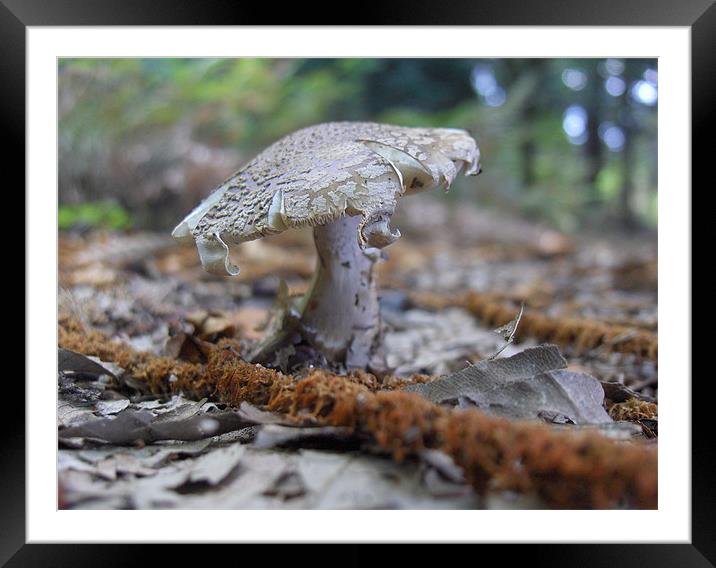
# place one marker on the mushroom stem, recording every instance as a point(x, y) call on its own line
point(340, 314)
point(337, 321)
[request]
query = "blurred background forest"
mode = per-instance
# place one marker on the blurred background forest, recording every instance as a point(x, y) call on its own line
point(571, 143)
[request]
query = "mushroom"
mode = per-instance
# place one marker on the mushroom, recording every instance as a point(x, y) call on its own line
point(343, 179)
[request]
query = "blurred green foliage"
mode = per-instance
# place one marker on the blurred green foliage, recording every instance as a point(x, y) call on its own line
point(153, 136)
point(97, 214)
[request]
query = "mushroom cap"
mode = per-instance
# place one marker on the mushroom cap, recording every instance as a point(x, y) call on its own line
point(317, 175)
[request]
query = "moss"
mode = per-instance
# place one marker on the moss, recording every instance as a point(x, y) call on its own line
point(567, 470)
point(634, 410)
point(161, 374)
point(581, 334)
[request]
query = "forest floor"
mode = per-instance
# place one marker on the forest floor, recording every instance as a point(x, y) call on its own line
point(157, 409)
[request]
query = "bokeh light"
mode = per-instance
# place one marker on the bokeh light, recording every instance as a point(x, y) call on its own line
point(615, 86)
point(574, 124)
point(645, 93)
point(612, 136)
point(496, 97)
point(575, 79)
point(485, 84)
point(614, 66)
point(652, 76)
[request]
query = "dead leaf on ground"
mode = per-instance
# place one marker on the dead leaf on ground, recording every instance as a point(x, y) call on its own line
point(131, 426)
point(617, 392)
point(288, 485)
point(525, 386)
point(274, 435)
point(73, 362)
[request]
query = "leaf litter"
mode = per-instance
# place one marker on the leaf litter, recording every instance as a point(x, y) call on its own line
point(262, 440)
point(395, 417)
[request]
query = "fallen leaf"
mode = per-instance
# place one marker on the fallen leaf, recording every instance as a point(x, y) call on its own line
point(524, 386)
point(258, 416)
point(131, 426)
point(615, 430)
point(474, 378)
point(617, 392)
point(288, 485)
point(107, 407)
point(214, 466)
point(441, 476)
point(73, 362)
point(274, 435)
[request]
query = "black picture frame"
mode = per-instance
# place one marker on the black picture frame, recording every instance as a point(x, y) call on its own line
point(699, 15)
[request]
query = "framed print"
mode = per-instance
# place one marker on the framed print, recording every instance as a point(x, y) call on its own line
point(490, 377)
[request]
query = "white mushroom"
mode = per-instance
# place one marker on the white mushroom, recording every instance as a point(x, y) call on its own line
point(343, 179)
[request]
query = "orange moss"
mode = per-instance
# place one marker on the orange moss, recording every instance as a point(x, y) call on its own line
point(237, 381)
point(634, 410)
point(161, 374)
point(584, 335)
point(402, 423)
point(567, 470)
point(325, 398)
point(581, 470)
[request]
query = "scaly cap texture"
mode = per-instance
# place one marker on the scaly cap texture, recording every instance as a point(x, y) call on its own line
point(320, 173)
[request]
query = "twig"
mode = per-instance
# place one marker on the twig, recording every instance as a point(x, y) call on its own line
point(508, 332)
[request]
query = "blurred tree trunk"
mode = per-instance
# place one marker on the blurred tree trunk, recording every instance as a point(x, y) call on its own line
point(593, 148)
point(626, 207)
point(530, 114)
point(626, 215)
point(528, 149)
